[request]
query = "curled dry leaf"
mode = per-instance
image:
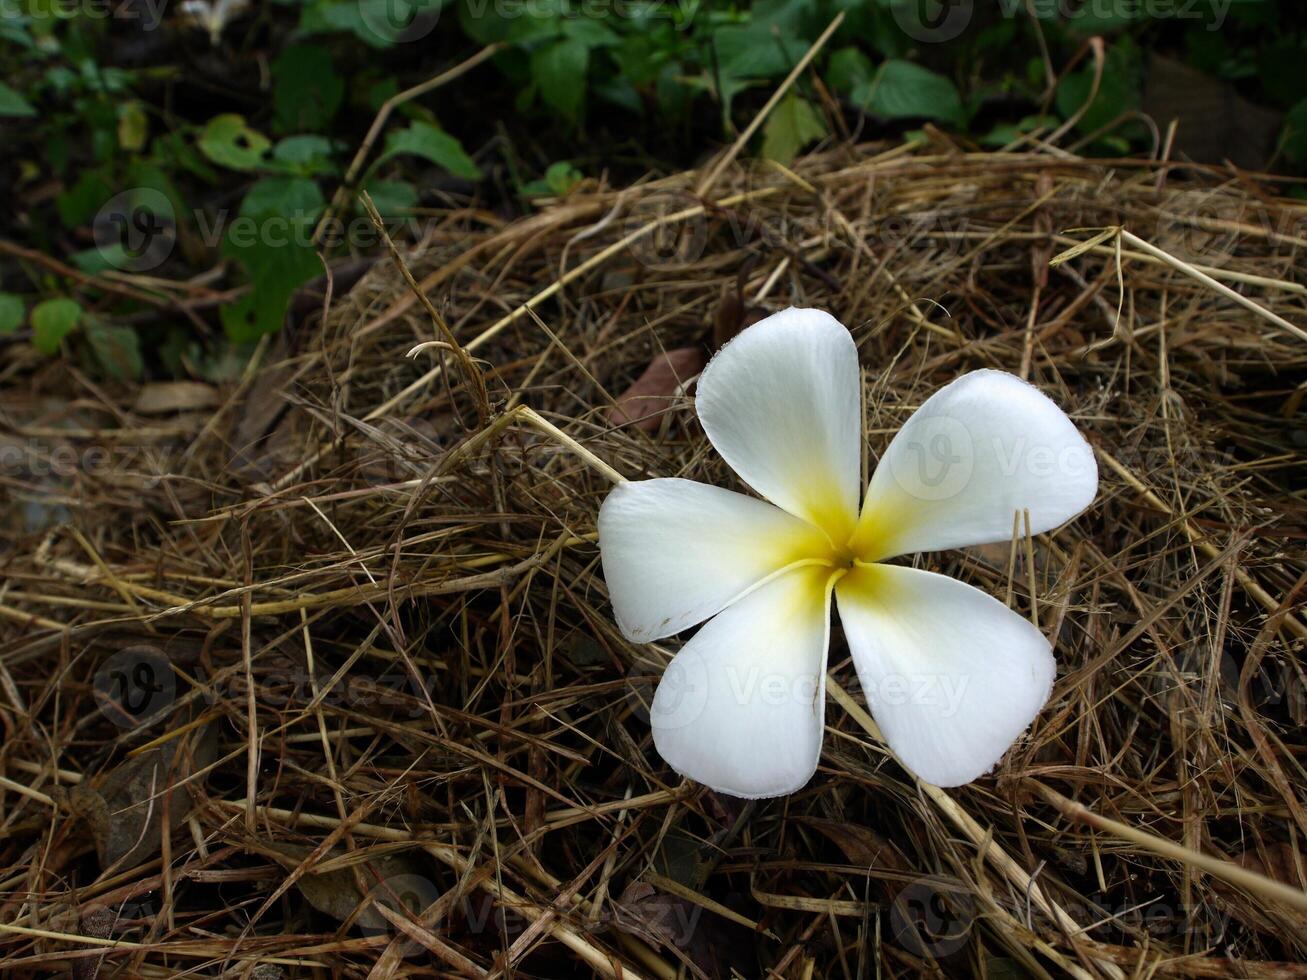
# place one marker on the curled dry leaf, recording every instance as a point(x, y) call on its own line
point(1278, 861)
point(861, 845)
point(124, 808)
point(733, 312)
point(673, 922)
point(643, 404)
point(336, 892)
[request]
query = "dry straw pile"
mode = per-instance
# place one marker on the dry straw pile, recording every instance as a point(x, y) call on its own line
point(315, 675)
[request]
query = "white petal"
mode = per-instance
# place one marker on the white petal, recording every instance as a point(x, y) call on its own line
point(977, 451)
point(741, 707)
point(676, 552)
point(951, 675)
point(780, 403)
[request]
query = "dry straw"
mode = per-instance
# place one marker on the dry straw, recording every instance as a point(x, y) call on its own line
point(380, 660)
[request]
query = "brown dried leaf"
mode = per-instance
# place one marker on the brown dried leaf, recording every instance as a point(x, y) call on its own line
point(396, 881)
point(669, 921)
point(861, 845)
point(124, 807)
point(643, 403)
point(166, 397)
point(733, 312)
point(1278, 862)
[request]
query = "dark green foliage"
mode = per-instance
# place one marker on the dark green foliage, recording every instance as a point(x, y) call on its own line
point(254, 122)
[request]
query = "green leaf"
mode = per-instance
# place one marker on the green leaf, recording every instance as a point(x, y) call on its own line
point(383, 23)
point(750, 53)
point(393, 198)
point(849, 68)
point(230, 142)
point(11, 312)
point(174, 152)
point(1005, 133)
point(307, 155)
point(1106, 16)
point(79, 203)
point(379, 23)
point(903, 90)
point(433, 144)
point(557, 181)
point(619, 92)
point(561, 177)
point(133, 126)
point(93, 261)
point(638, 58)
point(306, 89)
point(52, 321)
point(756, 50)
point(792, 125)
point(118, 350)
point(12, 104)
point(486, 22)
point(272, 237)
point(1293, 138)
point(14, 30)
point(672, 91)
point(590, 32)
point(559, 68)
point(1117, 92)
point(327, 16)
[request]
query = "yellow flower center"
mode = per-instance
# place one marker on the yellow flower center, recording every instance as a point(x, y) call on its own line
point(842, 557)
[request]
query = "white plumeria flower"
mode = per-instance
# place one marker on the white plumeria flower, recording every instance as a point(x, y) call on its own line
point(951, 675)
